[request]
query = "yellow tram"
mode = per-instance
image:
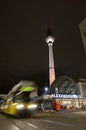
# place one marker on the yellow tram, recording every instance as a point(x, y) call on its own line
point(22, 100)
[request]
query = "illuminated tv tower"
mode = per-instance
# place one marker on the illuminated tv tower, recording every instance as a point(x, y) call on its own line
point(50, 40)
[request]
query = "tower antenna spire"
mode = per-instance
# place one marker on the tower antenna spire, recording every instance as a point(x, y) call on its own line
point(49, 31)
point(49, 21)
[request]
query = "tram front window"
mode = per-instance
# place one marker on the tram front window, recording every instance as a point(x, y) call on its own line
point(21, 96)
point(24, 94)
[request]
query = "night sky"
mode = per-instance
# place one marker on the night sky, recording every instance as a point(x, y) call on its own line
point(23, 50)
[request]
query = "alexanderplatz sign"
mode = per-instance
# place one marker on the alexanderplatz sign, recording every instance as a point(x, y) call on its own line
point(69, 96)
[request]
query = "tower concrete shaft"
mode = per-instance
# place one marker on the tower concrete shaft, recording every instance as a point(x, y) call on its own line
point(51, 64)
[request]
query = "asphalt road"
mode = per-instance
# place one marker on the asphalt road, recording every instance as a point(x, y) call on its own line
point(62, 120)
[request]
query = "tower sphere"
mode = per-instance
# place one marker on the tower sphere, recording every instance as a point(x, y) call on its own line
point(50, 39)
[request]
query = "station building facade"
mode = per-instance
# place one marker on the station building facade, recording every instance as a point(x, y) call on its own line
point(69, 93)
point(82, 27)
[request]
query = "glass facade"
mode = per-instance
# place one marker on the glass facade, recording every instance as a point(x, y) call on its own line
point(84, 90)
point(65, 85)
point(82, 27)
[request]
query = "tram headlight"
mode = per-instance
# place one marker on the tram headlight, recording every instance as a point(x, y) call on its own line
point(32, 106)
point(20, 106)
